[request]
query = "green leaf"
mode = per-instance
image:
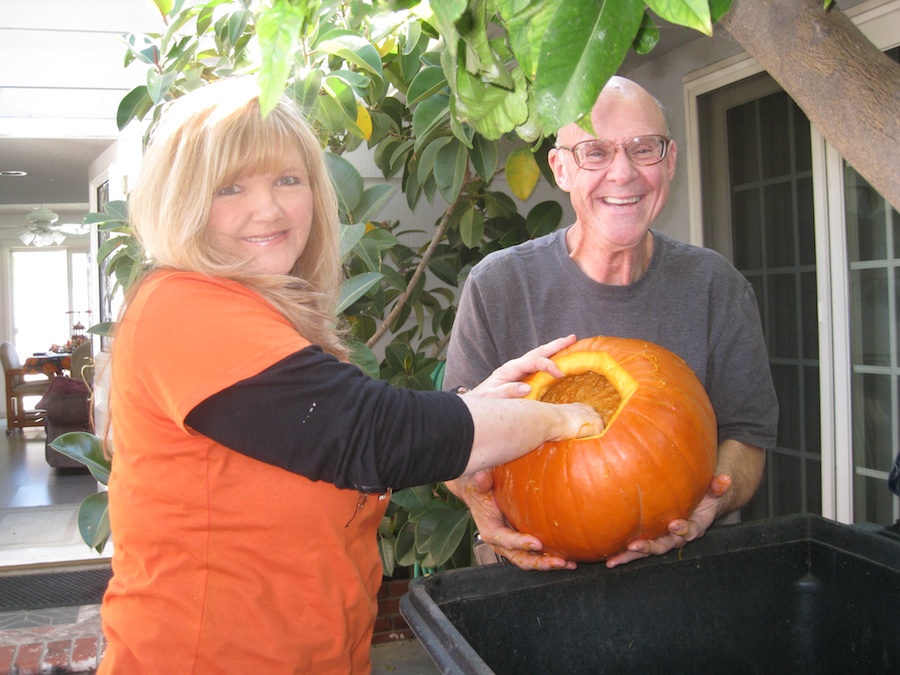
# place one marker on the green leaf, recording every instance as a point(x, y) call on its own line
point(276, 31)
point(93, 520)
point(428, 116)
point(447, 13)
point(413, 498)
point(114, 212)
point(343, 95)
point(350, 236)
point(355, 50)
point(405, 545)
point(445, 271)
point(134, 105)
point(429, 81)
point(386, 550)
point(364, 358)
point(428, 522)
point(330, 113)
point(471, 227)
point(719, 8)
point(484, 156)
point(527, 22)
point(355, 287)
point(448, 534)
point(522, 172)
point(369, 253)
point(306, 90)
point(428, 157)
point(104, 328)
point(159, 84)
point(164, 6)
point(450, 170)
point(544, 218)
point(481, 56)
point(372, 201)
point(491, 109)
point(347, 181)
point(581, 49)
point(647, 36)
point(86, 448)
point(689, 13)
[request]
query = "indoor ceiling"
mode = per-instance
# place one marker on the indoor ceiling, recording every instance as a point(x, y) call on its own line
point(57, 172)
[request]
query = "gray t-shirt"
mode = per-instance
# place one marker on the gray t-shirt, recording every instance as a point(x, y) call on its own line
point(690, 300)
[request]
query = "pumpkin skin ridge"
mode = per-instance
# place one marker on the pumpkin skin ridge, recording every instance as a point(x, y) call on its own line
point(673, 456)
point(700, 483)
point(583, 502)
point(564, 517)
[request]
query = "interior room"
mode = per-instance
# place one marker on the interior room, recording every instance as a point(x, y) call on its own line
point(59, 153)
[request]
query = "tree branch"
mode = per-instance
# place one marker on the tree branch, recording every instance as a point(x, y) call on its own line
point(846, 87)
point(420, 270)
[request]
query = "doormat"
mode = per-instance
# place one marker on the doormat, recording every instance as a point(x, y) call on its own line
point(39, 526)
point(54, 589)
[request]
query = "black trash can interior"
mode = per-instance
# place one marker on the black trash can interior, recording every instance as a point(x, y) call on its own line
point(789, 595)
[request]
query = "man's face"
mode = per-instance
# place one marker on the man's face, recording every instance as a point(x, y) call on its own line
point(619, 203)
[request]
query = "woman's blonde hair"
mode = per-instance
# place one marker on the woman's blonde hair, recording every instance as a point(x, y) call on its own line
point(206, 140)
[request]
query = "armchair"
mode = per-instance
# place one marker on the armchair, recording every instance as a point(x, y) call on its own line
point(67, 402)
point(17, 388)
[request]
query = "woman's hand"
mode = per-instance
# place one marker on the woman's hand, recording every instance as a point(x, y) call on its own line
point(505, 381)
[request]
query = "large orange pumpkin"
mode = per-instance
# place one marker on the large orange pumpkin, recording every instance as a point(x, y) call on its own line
point(586, 499)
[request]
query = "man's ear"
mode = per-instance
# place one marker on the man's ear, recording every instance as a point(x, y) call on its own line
point(671, 157)
point(558, 166)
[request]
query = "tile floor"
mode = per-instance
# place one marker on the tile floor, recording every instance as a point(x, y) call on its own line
point(27, 480)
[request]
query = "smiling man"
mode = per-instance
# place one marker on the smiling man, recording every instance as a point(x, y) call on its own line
point(611, 274)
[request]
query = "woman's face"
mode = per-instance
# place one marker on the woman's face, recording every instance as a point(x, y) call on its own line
point(265, 218)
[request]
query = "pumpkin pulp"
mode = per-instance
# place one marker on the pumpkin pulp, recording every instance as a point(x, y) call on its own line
point(595, 379)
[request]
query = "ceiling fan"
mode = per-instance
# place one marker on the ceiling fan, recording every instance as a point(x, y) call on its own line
point(44, 231)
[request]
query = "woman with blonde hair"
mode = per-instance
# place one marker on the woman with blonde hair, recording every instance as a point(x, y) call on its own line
point(252, 462)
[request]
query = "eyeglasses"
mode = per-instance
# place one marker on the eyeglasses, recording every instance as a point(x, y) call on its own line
point(595, 155)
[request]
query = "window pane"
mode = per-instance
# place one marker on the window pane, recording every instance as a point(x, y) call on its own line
point(806, 222)
point(779, 219)
point(809, 315)
point(775, 135)
point(812, 427)
point(782, 316)
point(813, 486)
point(790, 417)
point(787, 493)
point(871, 319)
point(743, 144)
point(40, 297)
point(872, 423)
point(872, 501)
point(866, 234)
point(747, 229)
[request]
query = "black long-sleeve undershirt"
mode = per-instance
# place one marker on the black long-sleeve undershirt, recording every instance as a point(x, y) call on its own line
point(316, 416)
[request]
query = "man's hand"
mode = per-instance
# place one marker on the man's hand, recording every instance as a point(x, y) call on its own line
point(680, 531)
point(523, 550)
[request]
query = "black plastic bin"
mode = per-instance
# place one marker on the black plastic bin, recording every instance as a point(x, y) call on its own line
point(799, 594)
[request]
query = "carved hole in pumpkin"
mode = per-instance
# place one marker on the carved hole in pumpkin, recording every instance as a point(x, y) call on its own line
point(588, 387)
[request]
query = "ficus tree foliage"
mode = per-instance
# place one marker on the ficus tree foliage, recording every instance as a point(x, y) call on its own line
point(447, 97)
